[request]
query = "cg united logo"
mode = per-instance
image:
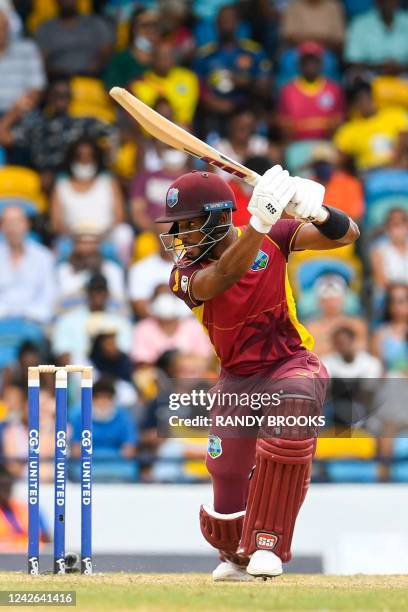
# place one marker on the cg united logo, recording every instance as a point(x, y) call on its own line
point(172, 197)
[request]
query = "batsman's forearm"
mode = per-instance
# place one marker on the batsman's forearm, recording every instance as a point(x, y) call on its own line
point(239, 257)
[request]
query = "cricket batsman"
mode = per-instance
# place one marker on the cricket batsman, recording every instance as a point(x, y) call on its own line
point(235, 281)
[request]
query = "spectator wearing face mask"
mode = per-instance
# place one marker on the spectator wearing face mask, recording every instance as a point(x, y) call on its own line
point(148, 190)
point(89, 196)
point(167, 328)
point(129, 64)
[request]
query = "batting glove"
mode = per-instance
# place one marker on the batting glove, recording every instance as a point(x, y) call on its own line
point(307, 200)
point(271, 195)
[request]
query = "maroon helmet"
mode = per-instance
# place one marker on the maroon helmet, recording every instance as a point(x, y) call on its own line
point(192, 195)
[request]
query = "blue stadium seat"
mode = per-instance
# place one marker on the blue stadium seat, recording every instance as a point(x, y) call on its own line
point(385, 182)
point(13, 332)
point(298, 156)
point(352, 471)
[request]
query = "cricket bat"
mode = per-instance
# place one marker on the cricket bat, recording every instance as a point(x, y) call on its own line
point(178, 138)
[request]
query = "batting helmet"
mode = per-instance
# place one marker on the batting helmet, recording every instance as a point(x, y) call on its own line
point(196, 194)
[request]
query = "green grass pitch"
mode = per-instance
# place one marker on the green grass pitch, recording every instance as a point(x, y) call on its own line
point(162, 592)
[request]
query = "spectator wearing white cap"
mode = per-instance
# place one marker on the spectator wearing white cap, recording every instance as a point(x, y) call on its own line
point(331, 290)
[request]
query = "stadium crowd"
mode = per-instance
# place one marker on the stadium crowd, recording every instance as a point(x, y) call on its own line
point(319, 86)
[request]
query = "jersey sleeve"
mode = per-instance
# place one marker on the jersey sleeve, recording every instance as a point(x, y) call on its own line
point(283, 234)
point(180, 283)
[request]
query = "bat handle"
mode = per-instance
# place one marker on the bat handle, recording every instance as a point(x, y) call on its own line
point(252, 179)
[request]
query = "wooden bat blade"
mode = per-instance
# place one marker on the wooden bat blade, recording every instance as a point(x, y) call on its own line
point(178, 138)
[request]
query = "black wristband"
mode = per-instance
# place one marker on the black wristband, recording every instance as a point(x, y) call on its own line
point(336, 225)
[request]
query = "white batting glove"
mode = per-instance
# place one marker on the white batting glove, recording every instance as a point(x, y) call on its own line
point(271, 195)
point(307, 200)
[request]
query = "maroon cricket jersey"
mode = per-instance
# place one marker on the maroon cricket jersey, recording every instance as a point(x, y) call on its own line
point(253, 324)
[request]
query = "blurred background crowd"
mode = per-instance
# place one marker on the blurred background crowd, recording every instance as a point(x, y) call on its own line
point(319, 86)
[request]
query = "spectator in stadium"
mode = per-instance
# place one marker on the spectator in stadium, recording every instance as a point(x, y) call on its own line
point(127, 65)
point(28, 355)
point(387, 25)
point(47, 133)
point(389, 259)
point(370, 135)
point(331, 293)
point(241, 139)
point(168, 327)
point(107, 357)
point(319, 20)
point(311, 106)
point(143, 278)
point(232, 71)
point(115, 435)
point(178, 85)
point(174, 28)
point(27, 279)
point(390, 341)
point(86, 259)
point(87, 195)
point(74, 44)
point(347, 361)
point(21, 71)
point(148, 189)
point(343, 189)
point(73, 331)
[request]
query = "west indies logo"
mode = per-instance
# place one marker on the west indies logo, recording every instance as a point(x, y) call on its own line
point(172, 197)
point(261, 261)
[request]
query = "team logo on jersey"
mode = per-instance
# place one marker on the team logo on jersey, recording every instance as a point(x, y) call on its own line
point(266, 541)
point(172, 197)
point(184, 283)
point(214, 446)
point(261, 261)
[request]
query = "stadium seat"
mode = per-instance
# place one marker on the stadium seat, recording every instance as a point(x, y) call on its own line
point(22, 186)
point(385, 183)
point(390, 91)
point(377, 212)
point(89, 99)
point(353, 471)
point(339, 260)
point(298, 156)
point(399, 469)
point(13, 332)
point(43, 11)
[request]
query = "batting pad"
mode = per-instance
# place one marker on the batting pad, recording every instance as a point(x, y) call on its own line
point(277, 490)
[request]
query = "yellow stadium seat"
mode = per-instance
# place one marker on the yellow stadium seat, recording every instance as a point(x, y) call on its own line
point(146, 244)
point(89, 99)
point(17, 182)
point(390, 91)
point(43, 10)
point(124, 163)
point(360, 446)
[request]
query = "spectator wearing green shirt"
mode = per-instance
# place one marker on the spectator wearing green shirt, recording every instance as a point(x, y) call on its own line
point(129, 64)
